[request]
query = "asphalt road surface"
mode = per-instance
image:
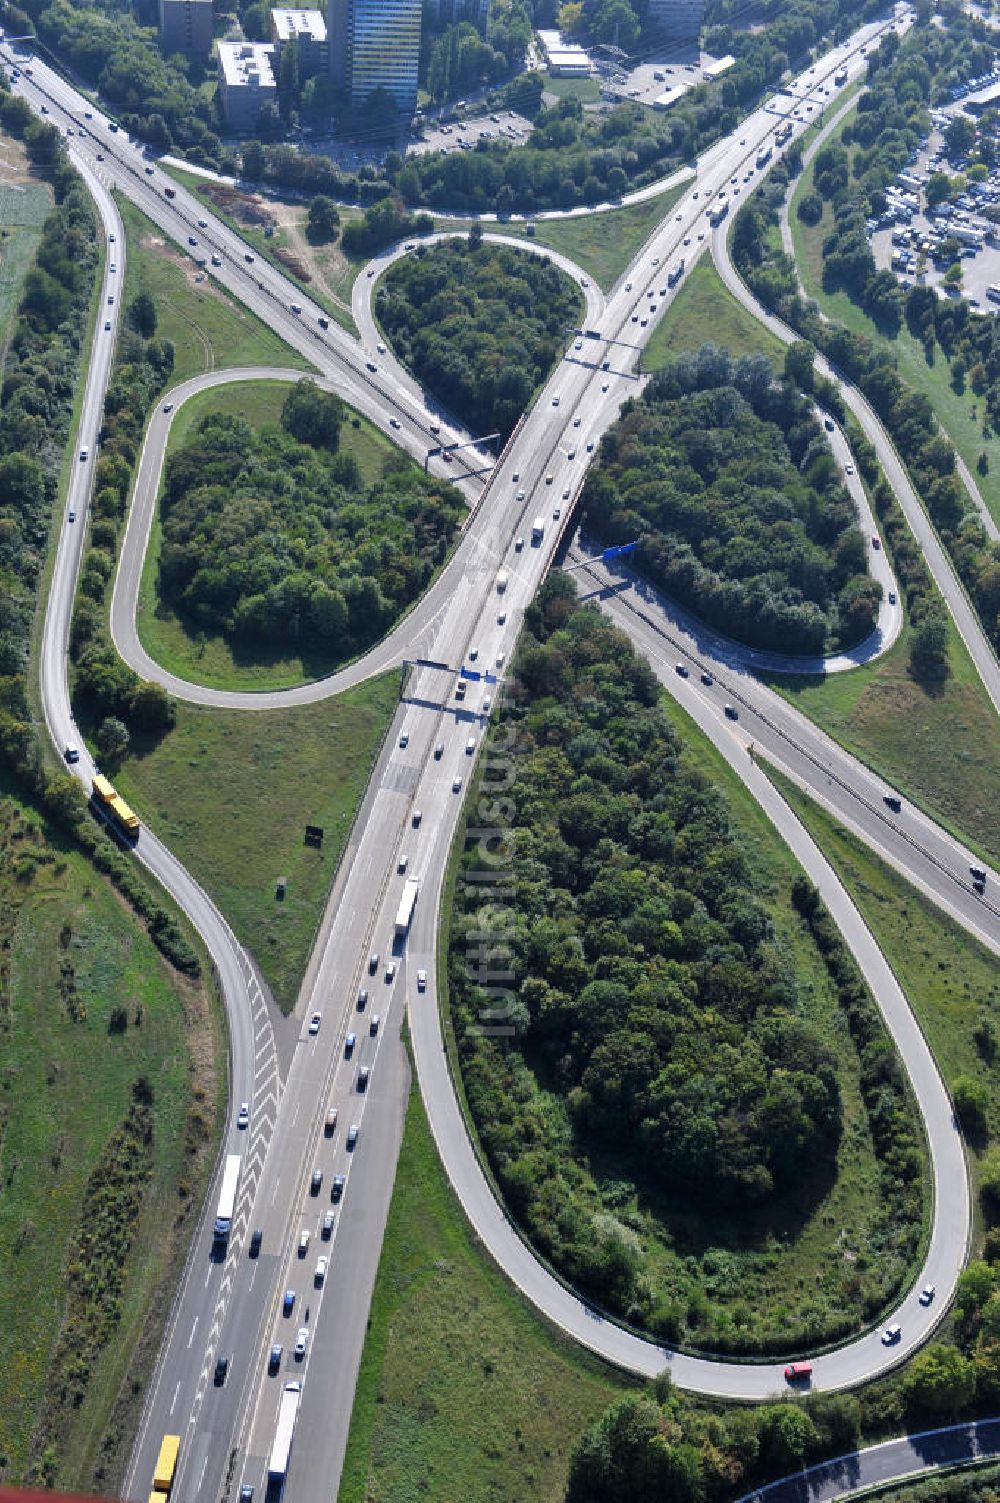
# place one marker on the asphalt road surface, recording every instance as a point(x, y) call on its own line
point(468, 629)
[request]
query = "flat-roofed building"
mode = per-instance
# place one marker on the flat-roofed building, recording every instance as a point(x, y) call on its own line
point(186, 26)
point(246, 82)
point(564, 59)
point(375, 44)
point(307, 29)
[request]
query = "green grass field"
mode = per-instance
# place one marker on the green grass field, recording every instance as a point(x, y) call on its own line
point(465, 1394)
point(938, 746)
point(601, 244)
point(203, 788)
point(704, 311)
point(23, 210)
point(209, 331)
point(955, 409)
point(207, 658)
point(65, 1085)
point(951, 981)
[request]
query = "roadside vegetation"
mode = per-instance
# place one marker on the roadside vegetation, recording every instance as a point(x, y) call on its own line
point(728, 480)
point(908, 414)
point(702, 303)
point(919, 714)
point(273, 536)
point(625, 1114)
point(942, 347)
point(205, 327)
point(203, 786)
point(978, 1482)
point(480, 324)
point(109, 1091)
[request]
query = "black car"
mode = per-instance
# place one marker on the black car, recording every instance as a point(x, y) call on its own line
point(337, 1188)
point(707, 680)
point(732, 713)
point(221, 1369)
point(682, 670)
point(892, 802)
point(256, 1239)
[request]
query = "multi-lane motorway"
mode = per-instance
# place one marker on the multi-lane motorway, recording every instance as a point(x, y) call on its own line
point(413, 802)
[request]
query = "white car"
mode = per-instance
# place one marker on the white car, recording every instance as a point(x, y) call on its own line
point(421, 981)
point(927, 1294)
point(577, 420)
point(314, 1022)
point(456, 786)
point(321, 1266)
point(390, 971)
point(243, 1119)
point(301, 1342)
point(555, 401)
point(404, 740)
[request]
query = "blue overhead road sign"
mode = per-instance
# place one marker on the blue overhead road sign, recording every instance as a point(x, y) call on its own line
point(610, 553)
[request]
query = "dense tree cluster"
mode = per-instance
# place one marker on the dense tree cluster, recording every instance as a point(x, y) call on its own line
point(652, 1021)
point(274, 536)
point(153, 95)
point(908, 416)
point(669, 1450)
point(481, 325)
point(106, 690)
point(36, 404)
point(580, 157)
point(727, 478)
point(383, 224)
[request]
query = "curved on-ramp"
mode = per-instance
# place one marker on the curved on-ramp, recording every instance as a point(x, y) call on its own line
point(848, 1365)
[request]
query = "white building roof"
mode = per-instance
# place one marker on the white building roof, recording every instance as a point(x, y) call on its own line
point(716, 69)
point(562, 54)
point(246, 65)
point(298, 23)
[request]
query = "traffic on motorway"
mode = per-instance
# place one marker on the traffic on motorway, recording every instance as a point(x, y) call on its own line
point(292, 1241)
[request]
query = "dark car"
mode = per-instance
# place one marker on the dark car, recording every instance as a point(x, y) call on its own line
point(288, 1303)
point(707, 680)
point(682, 670)
point(363, 1075)
point(256, 1238)
point(337, 1188)
point(221, 1369)
point(892, 802)
point(274, 1357)
point(732, 713)
point(362, 999)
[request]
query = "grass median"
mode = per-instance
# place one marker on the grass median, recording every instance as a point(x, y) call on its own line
point(705, 311)
point(207, 328)
point(465, 1394)
point(936, 744)
point(231, 792)
point(951, 981)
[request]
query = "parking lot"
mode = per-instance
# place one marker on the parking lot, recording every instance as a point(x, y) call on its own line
point(919, 244)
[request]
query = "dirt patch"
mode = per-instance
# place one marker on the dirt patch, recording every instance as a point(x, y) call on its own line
point(14, 166)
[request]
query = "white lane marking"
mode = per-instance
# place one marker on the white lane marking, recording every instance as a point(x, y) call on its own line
point(193, 1329)
point(177, 1390)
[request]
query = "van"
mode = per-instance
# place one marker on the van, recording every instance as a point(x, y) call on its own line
point(470, 746)
point(502, 579)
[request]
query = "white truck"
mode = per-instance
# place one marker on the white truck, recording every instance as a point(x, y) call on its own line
point(537, 530)
point(227, 1198)
point(407, 903)
point(281, 1449)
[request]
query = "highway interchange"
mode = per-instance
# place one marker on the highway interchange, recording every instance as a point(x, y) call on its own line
point(233, 1307)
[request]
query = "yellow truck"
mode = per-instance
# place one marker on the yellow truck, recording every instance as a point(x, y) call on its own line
point(166, 1466)
point(107, 797)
